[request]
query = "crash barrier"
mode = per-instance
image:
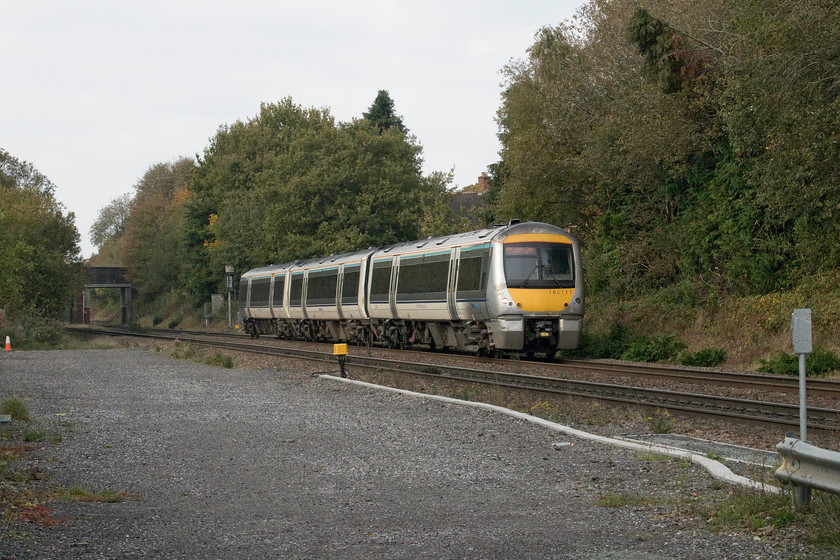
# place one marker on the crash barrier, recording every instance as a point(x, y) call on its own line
point(806, 466)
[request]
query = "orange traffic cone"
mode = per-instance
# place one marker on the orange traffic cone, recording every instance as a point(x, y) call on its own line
point(8, 347)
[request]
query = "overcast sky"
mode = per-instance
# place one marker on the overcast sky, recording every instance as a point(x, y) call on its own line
point(96, 92)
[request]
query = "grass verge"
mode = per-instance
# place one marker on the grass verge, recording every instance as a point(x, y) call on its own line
point(25, 491)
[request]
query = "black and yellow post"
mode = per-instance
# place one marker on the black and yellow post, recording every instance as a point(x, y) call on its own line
point(340, 351)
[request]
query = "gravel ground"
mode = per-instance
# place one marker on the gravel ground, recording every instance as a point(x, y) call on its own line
point(249, 463)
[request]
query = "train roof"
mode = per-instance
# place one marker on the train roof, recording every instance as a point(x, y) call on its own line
point(309, 263)
point(491, 233)
point(496, 232)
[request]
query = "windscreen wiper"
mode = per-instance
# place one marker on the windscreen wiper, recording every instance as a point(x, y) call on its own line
point(533, 270)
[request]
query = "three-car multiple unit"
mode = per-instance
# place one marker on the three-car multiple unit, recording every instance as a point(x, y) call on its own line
point(516, 287)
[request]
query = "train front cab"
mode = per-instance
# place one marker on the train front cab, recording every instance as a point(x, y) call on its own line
point(541, 294)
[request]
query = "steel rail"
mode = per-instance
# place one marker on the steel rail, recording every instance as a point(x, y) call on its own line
point(688, 403)
point(780, 383)
point(700, 376)
point(693, 403)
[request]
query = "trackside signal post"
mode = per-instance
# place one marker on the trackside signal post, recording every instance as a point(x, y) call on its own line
point(340, 351)
point(802, 345)
point(229, 285)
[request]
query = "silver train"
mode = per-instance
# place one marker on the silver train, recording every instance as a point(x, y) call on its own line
point(516, 287)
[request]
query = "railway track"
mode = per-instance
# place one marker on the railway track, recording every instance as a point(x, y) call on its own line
point(699, 376)
point(744, 410)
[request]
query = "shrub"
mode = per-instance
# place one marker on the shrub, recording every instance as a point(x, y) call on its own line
point(818, 364)
point(660, 422)
point(655, 349)
point(220, 360)
point(15, 407)
point(30, 330)
point(599, 346)
point(707, 357)
point(184, 351)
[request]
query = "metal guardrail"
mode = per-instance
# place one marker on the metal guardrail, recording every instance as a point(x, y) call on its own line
point(806, 466)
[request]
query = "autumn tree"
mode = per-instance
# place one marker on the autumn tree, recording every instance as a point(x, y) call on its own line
point(154, 248)
point(40, 260)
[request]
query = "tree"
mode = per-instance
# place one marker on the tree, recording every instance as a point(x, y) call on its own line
point(111, 221)
point(682, 141)
point(381, 113)
point(292, 183)
point(40, 261)
point(154, 248)
point(782, 108)
point(16, 174)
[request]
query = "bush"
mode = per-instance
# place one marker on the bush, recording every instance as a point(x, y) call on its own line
point(656, 349)
point(601, 346)
point(184, 351)
point(220, 360)
point(30, 330)
point(15, 407)
point(780, 363)
point(818, 364)
point(707, 357)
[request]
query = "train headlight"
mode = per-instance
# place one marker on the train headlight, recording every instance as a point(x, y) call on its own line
point(505, 301)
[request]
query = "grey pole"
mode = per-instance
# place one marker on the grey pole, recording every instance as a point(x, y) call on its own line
point(229, 283)
point(802, 345)
point(803, 410)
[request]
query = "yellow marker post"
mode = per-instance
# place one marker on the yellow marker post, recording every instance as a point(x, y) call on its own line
point(340, 350)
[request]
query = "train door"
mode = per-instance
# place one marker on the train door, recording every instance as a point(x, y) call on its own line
point(392, 293)
point(451, 295)
point(243, 297)
point(339, 290)
point(271, 288)
point(304, 289)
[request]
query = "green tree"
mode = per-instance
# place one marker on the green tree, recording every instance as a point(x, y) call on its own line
point(22, 175)
point(782, 109)
point(292, 183)
point(111, 221)
point(669, 138)
point(381, 114)
point(40, 261)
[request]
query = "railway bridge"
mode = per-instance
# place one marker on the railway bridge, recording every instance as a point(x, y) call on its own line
point(111, 277)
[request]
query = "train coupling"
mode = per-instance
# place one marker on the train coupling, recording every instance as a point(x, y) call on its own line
point(543, 329)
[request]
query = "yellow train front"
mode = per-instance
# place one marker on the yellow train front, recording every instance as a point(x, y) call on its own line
point(535, 292)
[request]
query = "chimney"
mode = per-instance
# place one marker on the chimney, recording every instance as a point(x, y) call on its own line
point(482, 183)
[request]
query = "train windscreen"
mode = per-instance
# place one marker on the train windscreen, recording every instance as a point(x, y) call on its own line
point(539, 265)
